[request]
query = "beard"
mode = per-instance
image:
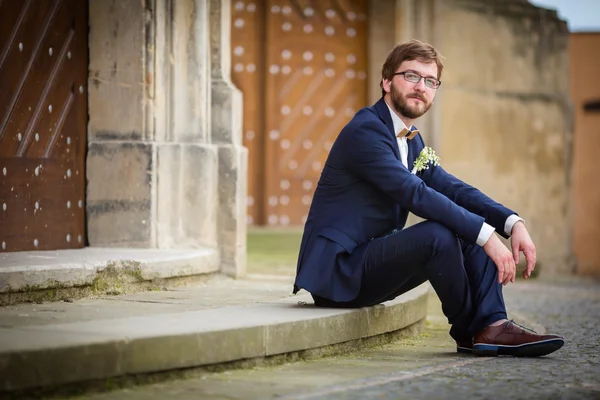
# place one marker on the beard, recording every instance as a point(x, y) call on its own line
point(401, 105)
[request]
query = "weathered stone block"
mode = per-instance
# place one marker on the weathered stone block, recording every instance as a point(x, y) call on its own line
point(187, 195)
point(308, 333)
point(34, 360)
point(117, 33)
point(116, 82)
point(193, 349)
point(118, 111)
point(226, 113)
point(226, 99)
point(412, 308)
point(233, 167)
point(119, 194)
point(119, 171)
point(338, 326)
point(109, 226)
point(190, 71)
point(200, 202)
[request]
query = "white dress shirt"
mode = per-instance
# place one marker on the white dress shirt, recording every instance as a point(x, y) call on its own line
point(486, 230)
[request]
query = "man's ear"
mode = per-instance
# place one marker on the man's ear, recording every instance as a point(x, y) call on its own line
point(386, 85)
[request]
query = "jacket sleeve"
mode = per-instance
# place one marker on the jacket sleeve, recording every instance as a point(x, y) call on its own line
point(368, 154)
point(467, 197)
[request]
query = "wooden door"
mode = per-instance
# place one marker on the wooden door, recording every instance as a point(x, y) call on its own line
point(43, 118)
point(302, 68)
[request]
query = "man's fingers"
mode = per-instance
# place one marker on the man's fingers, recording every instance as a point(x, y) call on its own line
point(515, 250)
point(507, 273)
point(531, 259)
point(514, 272)
point(500, 267)
point(510, 271)
point(508, 267)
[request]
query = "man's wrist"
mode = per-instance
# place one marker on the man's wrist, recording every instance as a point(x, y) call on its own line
point(484, 234)
point(510, 223)
point(518, 223)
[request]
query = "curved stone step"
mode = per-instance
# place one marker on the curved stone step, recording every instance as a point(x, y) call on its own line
point(47, 355)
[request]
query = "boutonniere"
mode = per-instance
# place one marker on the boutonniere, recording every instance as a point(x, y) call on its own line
point(426, 157)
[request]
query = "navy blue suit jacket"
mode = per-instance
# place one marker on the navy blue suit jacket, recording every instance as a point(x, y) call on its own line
point(365, 192)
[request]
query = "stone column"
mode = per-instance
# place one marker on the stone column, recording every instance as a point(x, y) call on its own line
point(187, 163)
point(226, 134)
point(152, 169)
point(121, 158)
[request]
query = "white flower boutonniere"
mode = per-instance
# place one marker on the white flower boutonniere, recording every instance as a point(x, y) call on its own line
point(426, 157)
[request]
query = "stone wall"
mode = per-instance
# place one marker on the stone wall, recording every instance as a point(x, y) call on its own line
point(585, 90)
point(165, 167)
point(506, 122)
point(502, 120)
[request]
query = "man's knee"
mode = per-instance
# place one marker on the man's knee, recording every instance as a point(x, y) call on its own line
point(444, 239)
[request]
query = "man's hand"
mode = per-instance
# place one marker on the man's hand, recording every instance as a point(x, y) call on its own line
point(503, 259)
point(521, 241)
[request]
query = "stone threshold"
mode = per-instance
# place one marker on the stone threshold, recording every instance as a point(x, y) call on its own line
point(51, 355)
point(69, 274)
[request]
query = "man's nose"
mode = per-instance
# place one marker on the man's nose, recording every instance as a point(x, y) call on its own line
point(420, 86)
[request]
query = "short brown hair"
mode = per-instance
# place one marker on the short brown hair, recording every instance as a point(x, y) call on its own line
point(408, 51)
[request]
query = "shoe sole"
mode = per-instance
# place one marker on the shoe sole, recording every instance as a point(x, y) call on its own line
point(464, 350)
point(536, 349)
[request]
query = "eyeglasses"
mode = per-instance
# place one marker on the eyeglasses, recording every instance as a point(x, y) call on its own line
point(413, 77)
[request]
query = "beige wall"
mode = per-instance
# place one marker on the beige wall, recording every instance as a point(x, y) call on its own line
point(584, 55)
point(505, 114)
point(502, 119)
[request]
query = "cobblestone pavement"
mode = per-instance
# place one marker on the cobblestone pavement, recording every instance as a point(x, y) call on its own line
point(427, 367)
point(569, 309)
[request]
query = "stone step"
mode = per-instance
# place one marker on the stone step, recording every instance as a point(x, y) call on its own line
point(35, 276)
point(50, 355)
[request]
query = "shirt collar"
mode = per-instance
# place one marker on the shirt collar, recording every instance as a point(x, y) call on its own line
point(398, 124)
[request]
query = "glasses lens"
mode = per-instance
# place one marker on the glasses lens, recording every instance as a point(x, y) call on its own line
point(432, 83)
point(414, 78)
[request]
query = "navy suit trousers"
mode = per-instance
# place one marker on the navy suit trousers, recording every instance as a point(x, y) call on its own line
point(463, 276)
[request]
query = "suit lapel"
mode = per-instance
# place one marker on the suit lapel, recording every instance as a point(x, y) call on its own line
point(384, 114)
point(413, 152)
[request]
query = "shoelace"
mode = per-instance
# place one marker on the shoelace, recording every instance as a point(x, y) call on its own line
point(512, 321)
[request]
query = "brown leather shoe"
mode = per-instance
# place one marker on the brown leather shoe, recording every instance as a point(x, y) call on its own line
point(514, 340)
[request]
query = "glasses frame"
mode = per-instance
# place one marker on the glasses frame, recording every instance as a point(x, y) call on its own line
point(403, 73)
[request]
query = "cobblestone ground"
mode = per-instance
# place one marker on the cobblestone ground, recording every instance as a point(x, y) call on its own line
point(569, 309)
point(427, 367)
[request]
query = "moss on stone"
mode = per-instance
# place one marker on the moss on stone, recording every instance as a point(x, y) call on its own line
point(123, 277)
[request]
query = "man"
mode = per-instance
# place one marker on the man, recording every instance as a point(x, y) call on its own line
point(354, 250)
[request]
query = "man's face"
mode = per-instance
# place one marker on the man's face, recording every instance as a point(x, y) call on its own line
point(411, 100)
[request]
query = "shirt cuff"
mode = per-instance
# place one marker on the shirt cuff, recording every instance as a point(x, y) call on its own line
point(510, 222)
point(484, 234)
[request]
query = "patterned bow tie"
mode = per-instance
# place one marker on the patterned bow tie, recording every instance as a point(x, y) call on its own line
point(408, 134)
